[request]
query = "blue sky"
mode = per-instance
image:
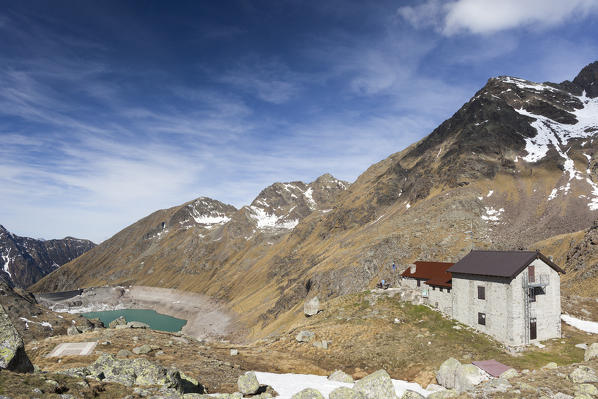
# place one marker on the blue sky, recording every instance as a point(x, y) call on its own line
point(111, 110)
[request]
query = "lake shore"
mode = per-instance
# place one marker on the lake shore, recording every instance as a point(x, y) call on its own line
point(206, 318)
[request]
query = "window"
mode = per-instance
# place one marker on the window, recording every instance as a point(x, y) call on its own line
point(433, 288)
point(533, 331)
point(440, 289)
point(418, 283)
point(534, 292)
point(481, 292)
point(531, 271)
point(482, 319)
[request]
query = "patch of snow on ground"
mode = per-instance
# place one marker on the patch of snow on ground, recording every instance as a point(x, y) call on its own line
point(553, 194)
point(265, 220)
point(490, 193)
point(289, 384)
point(408, 205)
point(43, 323)
point(310, 199)
point(583, 325)
point(492, 215)
point(526, 84)
point(6, 259)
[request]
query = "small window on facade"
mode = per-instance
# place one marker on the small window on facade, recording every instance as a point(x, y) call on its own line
point(532, 294)
point(448, 290)
point(418, 283)
point(440, 289)
point(433, 288)
point(481, 292)
point(482, 319)
point(532, 273)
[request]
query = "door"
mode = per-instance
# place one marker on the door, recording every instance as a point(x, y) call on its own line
point(533, 333)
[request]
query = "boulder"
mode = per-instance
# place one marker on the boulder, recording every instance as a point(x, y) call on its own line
point(345, 393)
point(139, 371)
point(551, 365)
point(73, 330)
point(142, 350)
point(121, 321)
point(582, 375)
point(582, 346)
point(377, 385)
point(311, 307)
point(137, 324)
point(447, 372)
point(412, 395)
point(12, 349)
point(308, 393)
point(234, 352)
point(248, 383)
point(305, 336)
point(591, 352)
point(321, 344)
point(510, 373)
point(468, 376)
point(124, 353)
point(435, 388)
point(340, 376)
point(497, 385)
point(586, 389)
point(446, 394)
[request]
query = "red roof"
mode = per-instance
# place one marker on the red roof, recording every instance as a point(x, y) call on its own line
point(435, 273)
point(492, 367)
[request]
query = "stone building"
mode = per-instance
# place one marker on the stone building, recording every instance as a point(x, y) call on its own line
point(513, 296)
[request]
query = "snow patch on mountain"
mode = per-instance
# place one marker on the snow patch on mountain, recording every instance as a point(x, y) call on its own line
point(491, 214)
point(266, 220)
point(6, 258)
point(526, 84)
point(204, 212)
point(310, 199)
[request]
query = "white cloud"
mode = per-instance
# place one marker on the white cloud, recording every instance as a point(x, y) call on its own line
point(490, 16)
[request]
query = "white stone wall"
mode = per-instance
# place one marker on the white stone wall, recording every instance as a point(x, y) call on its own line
point(504, 305)
point(441, 300)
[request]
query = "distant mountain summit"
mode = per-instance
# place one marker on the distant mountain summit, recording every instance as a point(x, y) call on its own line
point(515, 165)
point(24, 260)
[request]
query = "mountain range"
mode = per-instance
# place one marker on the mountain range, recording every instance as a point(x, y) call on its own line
point(514, 167)
point(25, 260)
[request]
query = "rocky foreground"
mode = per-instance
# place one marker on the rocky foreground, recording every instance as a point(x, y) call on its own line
point(375, 338)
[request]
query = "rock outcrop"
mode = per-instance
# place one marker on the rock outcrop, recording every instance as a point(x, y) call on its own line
point(12, 349)
point(248, 383)
point(308, 393)
point(377, 385)
point(311, 307)
point(461, 377)
point(341, 376)
point(136, 372)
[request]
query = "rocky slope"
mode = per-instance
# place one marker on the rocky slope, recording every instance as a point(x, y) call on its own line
point(514, 166)
point(25, 260)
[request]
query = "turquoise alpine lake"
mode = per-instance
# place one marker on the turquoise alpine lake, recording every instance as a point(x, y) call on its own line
point(155, 320)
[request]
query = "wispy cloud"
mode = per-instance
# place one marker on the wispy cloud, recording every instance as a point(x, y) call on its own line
point(489, 16)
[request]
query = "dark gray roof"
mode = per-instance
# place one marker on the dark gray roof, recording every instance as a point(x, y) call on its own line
point(499, 263)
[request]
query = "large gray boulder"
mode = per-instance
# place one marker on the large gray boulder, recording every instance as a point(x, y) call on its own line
point(591, 352)
point(446, 394)
point(582, 375)
point(248, 383)
point(447, 372)
point(409, 394)
point(308, 393)
point(121, 321)
point(468, 376)
point(340, 376)
point(345, 393)
point(140, 372)
point(137, 324)
point(142, 350)
point(72, 330)
point(305, 336)
point(377, 385)
point(12, 349)
point(311, 307)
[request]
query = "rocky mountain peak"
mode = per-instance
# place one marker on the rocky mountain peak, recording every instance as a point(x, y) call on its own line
point(203, 212)
point(25, 260)
point(587, 79)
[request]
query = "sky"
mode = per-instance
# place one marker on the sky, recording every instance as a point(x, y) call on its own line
point(110, 110)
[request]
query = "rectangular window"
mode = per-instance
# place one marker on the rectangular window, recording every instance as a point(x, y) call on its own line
point(418, 283)
point(532, 294)
point(440, 289)
point(533, 331)
point(531, 270)
point(433, 288)
point(481, 292)
point(482, 319)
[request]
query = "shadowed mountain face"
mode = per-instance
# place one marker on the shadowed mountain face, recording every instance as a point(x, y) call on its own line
point(23, 260)
point(515, 165)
